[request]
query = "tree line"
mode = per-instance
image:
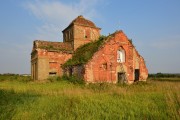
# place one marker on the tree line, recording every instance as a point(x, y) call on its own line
point(165, 75)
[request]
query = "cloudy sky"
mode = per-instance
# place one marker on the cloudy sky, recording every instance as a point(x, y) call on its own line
point(153, 25)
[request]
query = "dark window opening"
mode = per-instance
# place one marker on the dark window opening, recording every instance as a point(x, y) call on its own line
point(86, 33)
point(52, 73)
point(121, 77)
point(136, 74)
point(70, 71)
point(52, 62)
point(69, 34)
point(83, 71)
point(66, 36)
point(104, 66)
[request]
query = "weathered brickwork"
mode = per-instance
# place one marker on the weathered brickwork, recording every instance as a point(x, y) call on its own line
point(80, 32)
point(105, 67)
point(116, 60)
point(47, 58)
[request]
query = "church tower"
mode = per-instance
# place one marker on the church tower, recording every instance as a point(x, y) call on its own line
point(80, 31)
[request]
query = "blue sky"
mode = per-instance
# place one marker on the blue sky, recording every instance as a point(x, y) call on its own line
point(153, 25)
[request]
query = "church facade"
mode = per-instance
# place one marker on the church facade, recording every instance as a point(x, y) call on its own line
point(85, 54)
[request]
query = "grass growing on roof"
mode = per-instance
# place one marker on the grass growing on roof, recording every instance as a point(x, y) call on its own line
point(85, 52)
point(51, 47)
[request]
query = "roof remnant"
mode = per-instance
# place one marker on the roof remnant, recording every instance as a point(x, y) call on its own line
point(52, 46)
point(80, 20)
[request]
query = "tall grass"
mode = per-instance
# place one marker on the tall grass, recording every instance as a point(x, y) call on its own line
point(65, 100)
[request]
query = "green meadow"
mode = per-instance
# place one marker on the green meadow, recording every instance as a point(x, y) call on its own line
point(21, 98)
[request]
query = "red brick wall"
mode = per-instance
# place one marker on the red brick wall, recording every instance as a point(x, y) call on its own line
point(79, 35)
point(84, 34)
point(54, 59)
point(104, 67)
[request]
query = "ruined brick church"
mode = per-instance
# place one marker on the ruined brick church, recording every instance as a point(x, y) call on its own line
point(88, 55)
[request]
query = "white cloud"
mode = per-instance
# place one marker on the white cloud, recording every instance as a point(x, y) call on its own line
point(56, 15)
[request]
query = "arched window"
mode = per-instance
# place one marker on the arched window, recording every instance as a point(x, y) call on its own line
point(66, 35)
point(85, 33)
point(121, 56)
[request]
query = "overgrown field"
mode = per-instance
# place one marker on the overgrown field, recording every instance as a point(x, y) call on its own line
point(23, 99)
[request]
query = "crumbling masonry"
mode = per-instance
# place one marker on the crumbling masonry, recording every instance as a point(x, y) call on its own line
point(85, 54)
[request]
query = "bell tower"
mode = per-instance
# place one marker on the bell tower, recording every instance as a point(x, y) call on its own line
point(80, 31)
